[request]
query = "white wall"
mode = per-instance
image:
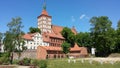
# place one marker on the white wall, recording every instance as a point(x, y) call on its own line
point(37, 41)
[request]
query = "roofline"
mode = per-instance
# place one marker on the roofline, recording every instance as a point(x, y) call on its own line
point(44, 15)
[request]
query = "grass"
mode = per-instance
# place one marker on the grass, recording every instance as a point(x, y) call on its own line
point(64, 64)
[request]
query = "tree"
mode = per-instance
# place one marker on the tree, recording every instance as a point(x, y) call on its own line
point(117, 46)
point(66, 47)
point(118, 25)
point(84, 39)
point(1, 36)
point(34, 30)
point(13, 41)
point(68, 35)
point(102, 35)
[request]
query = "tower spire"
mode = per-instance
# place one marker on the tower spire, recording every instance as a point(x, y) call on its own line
point(44, 5)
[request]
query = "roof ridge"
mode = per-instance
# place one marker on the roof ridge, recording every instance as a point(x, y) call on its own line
point(58, 26)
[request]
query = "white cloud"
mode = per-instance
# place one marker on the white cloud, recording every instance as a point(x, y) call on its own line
point(82, 16)
point(73, 18)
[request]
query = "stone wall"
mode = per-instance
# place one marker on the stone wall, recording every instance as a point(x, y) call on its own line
point(26, 54)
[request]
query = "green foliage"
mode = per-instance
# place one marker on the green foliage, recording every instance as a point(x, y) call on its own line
point(34, 62)
point(34, 30)
point(68, 35)
point(118, 25)
point(13, 38)
point(117, 47)
point(16, 61)
point(102, 35)
point(8, 42)
point(42, 64)
point(65, 47)
point(25, 61)
point(4, 58)
point(1, 36)
point(83, 39)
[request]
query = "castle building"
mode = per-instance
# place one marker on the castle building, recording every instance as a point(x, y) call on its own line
point(48, 43)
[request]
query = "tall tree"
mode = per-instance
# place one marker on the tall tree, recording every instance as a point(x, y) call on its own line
point(84, 39)
point(102, 34)
point(1, 36)
point(118, 25)
point(68, 35)
point(117, 47)
point(65, 47)
point(34, 30)
point(13, 41)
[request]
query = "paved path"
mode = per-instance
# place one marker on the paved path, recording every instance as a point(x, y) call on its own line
point(23, 67)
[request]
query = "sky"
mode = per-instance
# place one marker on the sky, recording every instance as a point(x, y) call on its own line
point(67, 13)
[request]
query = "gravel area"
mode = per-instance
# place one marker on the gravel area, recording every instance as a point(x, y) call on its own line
point(103, 59)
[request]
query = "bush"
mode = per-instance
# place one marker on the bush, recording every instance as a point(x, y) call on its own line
point(4, 59)
point(15, 61)
point(42, 64)
point(25, 61)
point(34, 62)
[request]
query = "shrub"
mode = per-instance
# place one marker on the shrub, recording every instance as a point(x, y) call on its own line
point(25, 61)
point(42, 64)
point(4, 59)
point(15, 61)
point(34, 62)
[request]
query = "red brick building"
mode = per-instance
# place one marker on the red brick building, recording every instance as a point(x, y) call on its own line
point(50, 52)
point(51, 34)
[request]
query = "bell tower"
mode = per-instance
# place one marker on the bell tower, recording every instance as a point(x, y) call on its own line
point(44, 20)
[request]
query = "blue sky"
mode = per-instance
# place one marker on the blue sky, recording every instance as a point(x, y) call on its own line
point(64, 12)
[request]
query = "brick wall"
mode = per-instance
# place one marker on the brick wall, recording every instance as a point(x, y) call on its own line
point(26, 54)
point(41, 53)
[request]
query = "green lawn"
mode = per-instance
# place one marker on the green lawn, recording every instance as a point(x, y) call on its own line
point(64, 64)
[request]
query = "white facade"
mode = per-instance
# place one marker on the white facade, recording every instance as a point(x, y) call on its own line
point(44, 24)
point(37, 40)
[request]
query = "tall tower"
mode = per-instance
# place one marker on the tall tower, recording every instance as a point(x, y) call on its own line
point(44, 20)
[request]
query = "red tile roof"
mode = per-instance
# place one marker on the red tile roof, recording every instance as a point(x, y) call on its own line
point(75, 48)
point(57, 30)
point(56, 33)
point(44, 12)
point(28, 36)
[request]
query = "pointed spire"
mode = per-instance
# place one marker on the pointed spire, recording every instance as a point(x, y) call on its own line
point(44, 5)
point(44, 12)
